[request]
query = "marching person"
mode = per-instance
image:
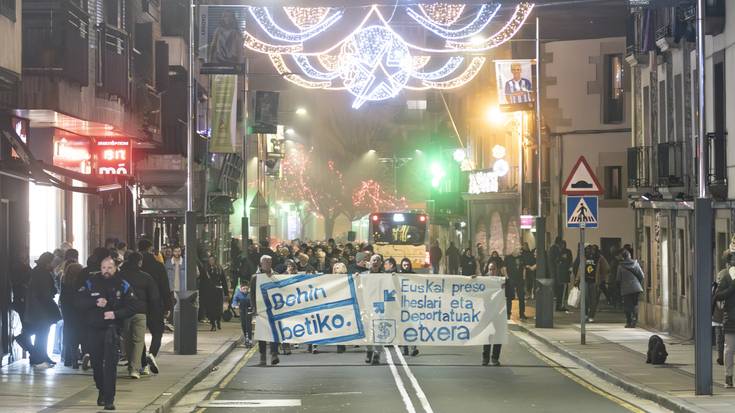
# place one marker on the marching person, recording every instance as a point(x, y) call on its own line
point(452, 259)
point(515, 288)
point(266, 270)
point(468, 262)
point(241, 299)
point(106, 300)
point(149, 302)
point(407, 268)
point(373, 351)
point(435, 256)
point(491, 352)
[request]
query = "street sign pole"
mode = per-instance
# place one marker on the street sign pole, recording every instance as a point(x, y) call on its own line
point(582, 286)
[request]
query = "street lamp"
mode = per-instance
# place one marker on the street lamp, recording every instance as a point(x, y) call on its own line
point(301, 111)
point(495, 116)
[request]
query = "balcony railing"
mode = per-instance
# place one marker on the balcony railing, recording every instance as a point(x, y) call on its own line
point(639, 161)
point(56, 40)
point(670, 164)
point(113, 63)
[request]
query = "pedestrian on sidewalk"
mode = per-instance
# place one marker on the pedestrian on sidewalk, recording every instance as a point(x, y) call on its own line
point(630, 278)
point(435, 256)
point(491, 352)
point(266, 270)
point(157, 315)
point(563, 270)
point(41, 309)
point(106, 300)
point(452, 259)
point(73, 324)
point(514, 288)
point(148, 302)
point(213, 287)
point(591, 274)
point(725, 294)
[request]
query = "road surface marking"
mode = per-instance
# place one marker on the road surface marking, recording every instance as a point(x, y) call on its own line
point(419, 393)
point(399, 382)
point(245, 358)
point(251, 403)
point(584, 383)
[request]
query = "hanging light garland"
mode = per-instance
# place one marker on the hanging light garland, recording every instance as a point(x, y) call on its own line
point(374, 62)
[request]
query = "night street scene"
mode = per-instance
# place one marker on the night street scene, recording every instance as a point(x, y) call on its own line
point(361, 206)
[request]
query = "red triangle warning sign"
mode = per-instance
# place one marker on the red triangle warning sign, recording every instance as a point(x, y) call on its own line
point(582, 181)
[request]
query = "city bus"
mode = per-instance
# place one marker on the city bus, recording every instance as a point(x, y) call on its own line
point(397, 235)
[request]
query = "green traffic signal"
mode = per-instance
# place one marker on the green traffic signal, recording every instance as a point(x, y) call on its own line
point(437, 173)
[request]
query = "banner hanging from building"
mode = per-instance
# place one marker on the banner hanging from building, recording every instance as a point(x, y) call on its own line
point(516, 91)
point(223, 138)
point(397, 309)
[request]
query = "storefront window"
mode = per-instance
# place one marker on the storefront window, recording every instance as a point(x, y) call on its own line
point(45, 219)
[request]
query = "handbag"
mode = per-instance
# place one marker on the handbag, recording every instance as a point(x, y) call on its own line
point(574, 297)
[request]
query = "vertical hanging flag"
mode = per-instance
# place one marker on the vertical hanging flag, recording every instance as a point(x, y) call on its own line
point(224, 114)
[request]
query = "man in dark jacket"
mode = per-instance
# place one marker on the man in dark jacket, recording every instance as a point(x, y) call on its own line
point(563, 267)
point(453, 259)
point(106, 300)
point(514, 288)
point(157, 315)
point(435, 257)
point(41, 309)
point(149, 302)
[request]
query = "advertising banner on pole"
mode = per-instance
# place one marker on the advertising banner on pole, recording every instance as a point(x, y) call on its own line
point(224, 114)
point(516, 91)
point(397, 309)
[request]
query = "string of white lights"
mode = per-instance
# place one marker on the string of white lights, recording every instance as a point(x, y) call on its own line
point(452, 64)
point(483, 17)
point(306, 17)
point(444, 14)
point(308, 69)
point(522, 11)
point(264, 19)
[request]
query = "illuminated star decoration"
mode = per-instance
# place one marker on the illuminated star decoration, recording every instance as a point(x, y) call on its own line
point(373, 61)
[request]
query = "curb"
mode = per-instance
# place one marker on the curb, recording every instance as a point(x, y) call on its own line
point(164, 402)
point(642, 391)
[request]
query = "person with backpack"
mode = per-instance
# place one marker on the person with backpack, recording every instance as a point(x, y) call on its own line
point(725, 294)
point(630, 279)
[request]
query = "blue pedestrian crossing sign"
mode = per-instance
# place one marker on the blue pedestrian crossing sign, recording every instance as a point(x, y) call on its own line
point(582, 212)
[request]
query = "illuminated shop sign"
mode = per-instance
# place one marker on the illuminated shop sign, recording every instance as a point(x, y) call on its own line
point(112, 156)
point(72, 153)
point(483, 182)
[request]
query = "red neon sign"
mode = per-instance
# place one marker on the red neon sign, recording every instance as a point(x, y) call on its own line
point(112, 156)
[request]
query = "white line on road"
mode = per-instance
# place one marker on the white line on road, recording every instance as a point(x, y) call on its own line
point(419, 392)
point(399, 382)
point(251, 403)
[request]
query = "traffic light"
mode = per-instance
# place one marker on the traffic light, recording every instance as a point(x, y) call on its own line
point(437, 173)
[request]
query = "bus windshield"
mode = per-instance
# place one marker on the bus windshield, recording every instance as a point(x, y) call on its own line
point(398, 228)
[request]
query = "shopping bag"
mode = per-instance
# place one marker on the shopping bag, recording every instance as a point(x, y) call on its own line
point(574, 297)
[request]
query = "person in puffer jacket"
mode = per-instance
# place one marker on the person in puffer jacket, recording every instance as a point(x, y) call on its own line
point(630, 278)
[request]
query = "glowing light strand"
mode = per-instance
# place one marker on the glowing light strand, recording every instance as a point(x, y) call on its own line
point(522, 11)
point(452, 64)
point(305, 65)
point(442, 13)
point(481, 20)
point(306, 17)
point(264, 19)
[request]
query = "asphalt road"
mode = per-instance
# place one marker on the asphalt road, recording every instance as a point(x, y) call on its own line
point(440, 379)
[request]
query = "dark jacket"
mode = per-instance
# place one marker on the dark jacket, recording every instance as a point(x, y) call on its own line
point(469, 265)
point(146, 291)
point(435, 255)
point(514, 269)
point(726, 292)
point(718, 307)
point(157, 271)
point(71, 281)
point(452, 257)
point(41, 309)
point(563, 266)
point(20, 277)
point(630, 277)
point(119, 295)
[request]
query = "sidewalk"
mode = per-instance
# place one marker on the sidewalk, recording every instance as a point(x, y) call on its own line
point(62, 389)
point(618, 355)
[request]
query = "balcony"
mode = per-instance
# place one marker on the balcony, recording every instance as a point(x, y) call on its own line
point(113, 62)
point(147, 104)
point(639, 172)
point(56, 40)
point(670, 164)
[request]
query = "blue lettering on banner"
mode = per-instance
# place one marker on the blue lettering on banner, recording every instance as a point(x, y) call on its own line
point(309, 322)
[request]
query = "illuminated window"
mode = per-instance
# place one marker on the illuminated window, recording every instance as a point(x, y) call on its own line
point(613, 104)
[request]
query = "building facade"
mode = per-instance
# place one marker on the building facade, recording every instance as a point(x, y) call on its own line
point(662, 158)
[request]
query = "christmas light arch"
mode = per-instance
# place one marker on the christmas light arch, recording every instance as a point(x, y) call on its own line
point(374, 61)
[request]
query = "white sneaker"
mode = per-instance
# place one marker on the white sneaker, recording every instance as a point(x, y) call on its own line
point(590, 320)
point(152, 363)
point(145, 371)
point(134, 375)
point(41, 366)
point(86, 362)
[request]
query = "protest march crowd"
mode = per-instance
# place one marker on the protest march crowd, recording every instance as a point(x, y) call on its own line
point(107, 305)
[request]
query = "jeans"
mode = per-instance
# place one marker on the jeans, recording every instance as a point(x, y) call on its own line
point(515, 290)
point(134, 333)
point(495, 351)
point(630, 306)
point(155, 326)
point(591, 296)
point(720, 341)
point(263, 346)
point(561, 295)
point(246, 319)
point(729, 353)
point(435, 268)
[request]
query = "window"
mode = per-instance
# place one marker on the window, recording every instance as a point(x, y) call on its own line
point(613, 182)
point(662, 111)
point(614, 98)
point(7, 9)
point(647, 264)
point(678, 107)
point(647, 116)
point(718, 150)
point(681, 253)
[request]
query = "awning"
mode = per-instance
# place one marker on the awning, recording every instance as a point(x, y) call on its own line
point(44, 174)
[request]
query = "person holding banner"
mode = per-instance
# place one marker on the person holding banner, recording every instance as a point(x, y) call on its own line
point(491, 352)
point(407, 268)
point(266, 270)
point(373, 351)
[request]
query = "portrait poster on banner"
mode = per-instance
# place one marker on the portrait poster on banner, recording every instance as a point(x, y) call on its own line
point(223, 138)
point(399, 309)
point(516, 90)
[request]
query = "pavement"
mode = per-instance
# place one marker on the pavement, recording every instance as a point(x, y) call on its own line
point(617, 354)
point(62, 389)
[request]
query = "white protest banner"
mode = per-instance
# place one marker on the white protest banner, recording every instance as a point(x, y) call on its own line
point(399, 309)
